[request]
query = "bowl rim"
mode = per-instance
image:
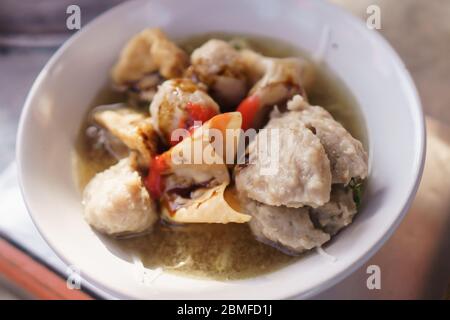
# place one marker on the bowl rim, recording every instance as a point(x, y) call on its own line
point(415, 107)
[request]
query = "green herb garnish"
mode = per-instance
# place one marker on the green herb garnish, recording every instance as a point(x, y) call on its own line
point(356, 186)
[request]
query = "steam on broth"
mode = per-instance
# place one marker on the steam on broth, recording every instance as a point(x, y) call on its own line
point(219, 251)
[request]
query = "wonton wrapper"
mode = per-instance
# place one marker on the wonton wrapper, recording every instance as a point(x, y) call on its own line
point(211, 162)
point(133, 128)
point(210, 206)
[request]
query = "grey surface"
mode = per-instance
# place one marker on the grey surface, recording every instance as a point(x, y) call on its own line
point(18, 69)
point(45, 16)
point(415, 262)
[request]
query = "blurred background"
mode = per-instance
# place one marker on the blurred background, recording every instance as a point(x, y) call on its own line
point(415, 262)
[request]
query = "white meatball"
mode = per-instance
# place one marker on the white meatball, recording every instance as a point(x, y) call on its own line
point(116, 201)
point(290, 229)
point(347, 156)
point(338, 212)
point(301, 175)
point(170, 108)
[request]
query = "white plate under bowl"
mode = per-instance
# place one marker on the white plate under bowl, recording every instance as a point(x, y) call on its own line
point(68, 83)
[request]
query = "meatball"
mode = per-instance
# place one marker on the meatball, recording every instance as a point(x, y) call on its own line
point(217, 64)
point(347, 156)
point(301, 175)
point(179, 103)
point(116, 202)
point(338, 212)
point(289, 229)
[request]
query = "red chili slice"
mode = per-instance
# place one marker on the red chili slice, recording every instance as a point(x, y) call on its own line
point(154, 182)
point(249, 108)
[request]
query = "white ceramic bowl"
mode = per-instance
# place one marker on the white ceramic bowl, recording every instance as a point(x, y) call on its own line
point(362, 59)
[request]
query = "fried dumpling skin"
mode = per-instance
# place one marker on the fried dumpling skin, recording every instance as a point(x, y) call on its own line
point(134, 129)
point(147, 52)
point(146, 61)
point(274, 82)
point(205, 202)
point(218, 65)
point(278, 79)
point(209, 207)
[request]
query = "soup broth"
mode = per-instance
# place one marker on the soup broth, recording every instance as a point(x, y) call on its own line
point(215, 250)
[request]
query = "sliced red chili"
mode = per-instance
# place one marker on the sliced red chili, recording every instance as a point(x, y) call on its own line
point(249, 108)
point(154, 182)
point(195, 113)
